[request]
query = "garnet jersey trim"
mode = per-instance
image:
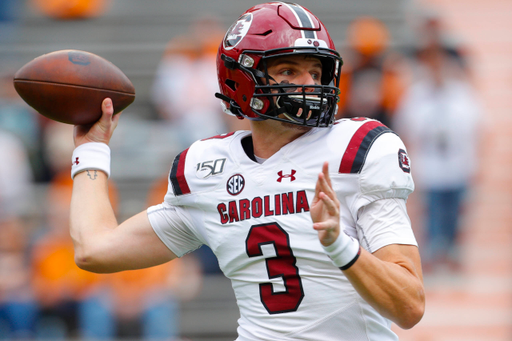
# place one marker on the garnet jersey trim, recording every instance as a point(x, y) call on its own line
point(358, 147)
point(177, 176)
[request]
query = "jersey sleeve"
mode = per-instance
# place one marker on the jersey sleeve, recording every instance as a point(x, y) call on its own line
point(198, 169)
point(386, 172)
point(195, 173)
point(171, 224)
point(384, 222)
point(178, 188)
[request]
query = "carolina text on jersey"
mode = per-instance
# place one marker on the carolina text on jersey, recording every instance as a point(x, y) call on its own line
point(269, 205)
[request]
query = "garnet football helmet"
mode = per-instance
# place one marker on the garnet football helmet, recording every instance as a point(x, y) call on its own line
point(272, 30)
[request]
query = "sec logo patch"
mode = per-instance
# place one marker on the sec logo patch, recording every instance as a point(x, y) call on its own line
point(235, 184)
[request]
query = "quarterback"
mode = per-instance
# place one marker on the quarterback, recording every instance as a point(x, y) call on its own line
point(305, 214)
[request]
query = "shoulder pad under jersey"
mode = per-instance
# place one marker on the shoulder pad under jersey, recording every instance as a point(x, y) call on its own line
point(198, 167)
point(379, 160)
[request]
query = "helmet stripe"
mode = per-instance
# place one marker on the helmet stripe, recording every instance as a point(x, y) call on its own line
point(303, 19)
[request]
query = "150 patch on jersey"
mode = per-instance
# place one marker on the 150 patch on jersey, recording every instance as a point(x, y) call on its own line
point(209, 168)
point(404, 161)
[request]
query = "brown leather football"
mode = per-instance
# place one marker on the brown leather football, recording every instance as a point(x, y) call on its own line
point(69, 86)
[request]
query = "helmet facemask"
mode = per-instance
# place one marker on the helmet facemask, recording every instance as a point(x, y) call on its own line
point(306, 105)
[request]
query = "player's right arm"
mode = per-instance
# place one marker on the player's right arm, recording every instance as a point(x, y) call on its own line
point(101, 244)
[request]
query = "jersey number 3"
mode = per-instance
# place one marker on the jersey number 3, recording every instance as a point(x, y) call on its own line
point(282, 265)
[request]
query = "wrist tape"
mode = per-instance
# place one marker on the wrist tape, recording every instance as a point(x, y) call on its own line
point(344, 251)
point(91, 156)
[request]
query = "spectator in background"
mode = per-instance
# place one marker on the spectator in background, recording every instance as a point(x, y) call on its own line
point(21, 120)
point(8, 10)
point(146, 302)
point(71, 9)
point(17, 307)
point(9, 18)
point(438, 118)
point(15, 177)
point(186, 82)
point(371, 83)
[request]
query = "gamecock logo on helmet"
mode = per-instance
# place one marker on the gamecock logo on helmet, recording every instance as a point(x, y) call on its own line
point(237, 31)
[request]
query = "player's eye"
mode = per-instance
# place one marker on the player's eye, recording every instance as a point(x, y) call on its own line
point(316, 75)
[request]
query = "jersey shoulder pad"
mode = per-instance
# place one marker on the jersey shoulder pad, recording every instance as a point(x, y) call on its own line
point(357, 135)
point(198, 167)
point(386, 172)
point(374, 155)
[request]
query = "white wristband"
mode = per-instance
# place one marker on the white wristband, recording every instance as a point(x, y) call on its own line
point(344, 251)
point(93, 156)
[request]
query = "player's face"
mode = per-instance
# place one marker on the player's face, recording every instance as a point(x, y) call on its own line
point(297, 69)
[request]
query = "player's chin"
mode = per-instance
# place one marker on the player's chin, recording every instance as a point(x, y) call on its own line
point(294, 126)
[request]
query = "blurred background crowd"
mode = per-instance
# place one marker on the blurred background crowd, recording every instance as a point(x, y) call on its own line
point(402, 66)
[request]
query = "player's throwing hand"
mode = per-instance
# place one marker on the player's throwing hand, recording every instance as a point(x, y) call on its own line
point(102, 130)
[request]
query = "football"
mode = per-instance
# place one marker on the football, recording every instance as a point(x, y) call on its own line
point(69, 86)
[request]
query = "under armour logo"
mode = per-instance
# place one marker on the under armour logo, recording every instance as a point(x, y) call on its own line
point(76, 162)
point(291, 176)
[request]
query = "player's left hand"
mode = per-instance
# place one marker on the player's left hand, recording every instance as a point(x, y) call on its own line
point(325, 209)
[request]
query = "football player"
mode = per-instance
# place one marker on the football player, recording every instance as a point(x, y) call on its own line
point(306, 216)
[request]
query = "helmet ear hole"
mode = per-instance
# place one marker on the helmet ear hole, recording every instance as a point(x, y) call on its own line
point(231, 84)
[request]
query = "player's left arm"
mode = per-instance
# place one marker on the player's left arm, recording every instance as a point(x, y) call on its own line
point(390, 279)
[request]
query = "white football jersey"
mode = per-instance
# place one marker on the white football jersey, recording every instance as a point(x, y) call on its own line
point(255, 217)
